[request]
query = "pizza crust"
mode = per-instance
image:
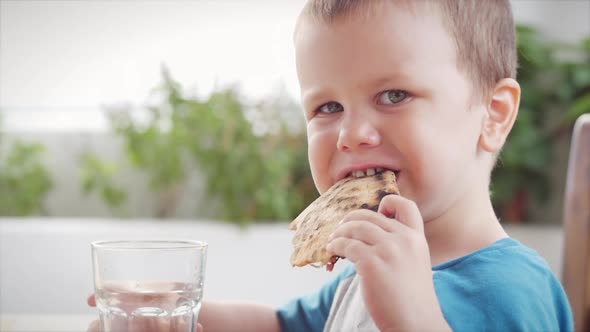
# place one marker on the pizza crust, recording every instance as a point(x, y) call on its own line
point(318, 221)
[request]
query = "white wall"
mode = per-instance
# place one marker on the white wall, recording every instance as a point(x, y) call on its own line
point(565, 20)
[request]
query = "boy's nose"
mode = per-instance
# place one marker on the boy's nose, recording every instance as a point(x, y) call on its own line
point(357, 133)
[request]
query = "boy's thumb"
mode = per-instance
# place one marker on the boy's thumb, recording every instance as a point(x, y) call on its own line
point(403, 210)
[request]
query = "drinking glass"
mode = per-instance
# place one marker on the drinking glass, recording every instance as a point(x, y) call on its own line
point(148, 285)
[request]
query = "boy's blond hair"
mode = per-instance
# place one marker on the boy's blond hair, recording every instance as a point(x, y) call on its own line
point(483, 31)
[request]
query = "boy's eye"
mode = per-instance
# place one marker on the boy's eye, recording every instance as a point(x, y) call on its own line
point(329, 108)
point(392, 97)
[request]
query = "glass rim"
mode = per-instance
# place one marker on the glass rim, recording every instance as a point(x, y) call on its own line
point(148, 244)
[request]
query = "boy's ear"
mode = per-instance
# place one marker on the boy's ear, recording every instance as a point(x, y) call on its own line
point(500, 115)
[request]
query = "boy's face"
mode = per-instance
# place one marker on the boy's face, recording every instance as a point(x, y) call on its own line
point(385, 91)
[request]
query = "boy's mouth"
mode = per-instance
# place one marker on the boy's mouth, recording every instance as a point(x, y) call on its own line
point(370, 172)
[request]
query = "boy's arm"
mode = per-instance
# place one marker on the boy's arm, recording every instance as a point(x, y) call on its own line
point(234, 316)
point(218, 316)
point(306, 313)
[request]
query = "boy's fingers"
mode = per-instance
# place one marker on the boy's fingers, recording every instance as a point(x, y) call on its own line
point(369, 232)
point(403, 210)
point(95, 325)
point(91, 300)
point(353, 250)
point(370, 216)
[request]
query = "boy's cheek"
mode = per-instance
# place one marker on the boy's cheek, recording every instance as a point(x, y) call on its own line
point(320, 155)
point(318, 176)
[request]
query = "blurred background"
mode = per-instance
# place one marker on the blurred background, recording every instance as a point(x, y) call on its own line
point(143, 108)
point(181, 119)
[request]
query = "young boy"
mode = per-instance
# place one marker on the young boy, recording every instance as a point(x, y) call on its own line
point(427, 89)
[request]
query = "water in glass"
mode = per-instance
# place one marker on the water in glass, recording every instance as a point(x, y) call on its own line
point(134, 306)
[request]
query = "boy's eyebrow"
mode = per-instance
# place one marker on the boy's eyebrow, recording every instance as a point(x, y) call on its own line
point(311, 96)
point(398, 76)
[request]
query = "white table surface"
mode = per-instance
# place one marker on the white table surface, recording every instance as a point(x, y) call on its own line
point(44, 322)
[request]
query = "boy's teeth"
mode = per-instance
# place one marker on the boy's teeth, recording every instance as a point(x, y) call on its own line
point(367, 172)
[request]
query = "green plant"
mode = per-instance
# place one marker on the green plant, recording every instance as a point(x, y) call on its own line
point(97, 175)
point(575, 89)
point(24, 181)
point(255, 165)
point(554, 93)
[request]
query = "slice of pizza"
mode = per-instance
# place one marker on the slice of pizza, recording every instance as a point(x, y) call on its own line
point(314, 225)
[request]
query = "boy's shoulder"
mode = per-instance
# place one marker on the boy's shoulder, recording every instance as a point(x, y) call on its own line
point(505, 254)
point(507, 266)
point(506, 279)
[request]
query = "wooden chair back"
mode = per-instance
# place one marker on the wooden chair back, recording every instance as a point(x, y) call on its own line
point(576, 225)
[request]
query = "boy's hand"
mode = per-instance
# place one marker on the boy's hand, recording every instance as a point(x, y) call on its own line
point(392, 260)
point(160, 326)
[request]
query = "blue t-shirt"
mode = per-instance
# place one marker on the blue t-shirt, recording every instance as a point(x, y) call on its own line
point(503, 287)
